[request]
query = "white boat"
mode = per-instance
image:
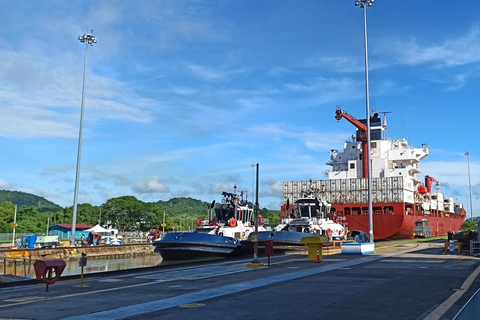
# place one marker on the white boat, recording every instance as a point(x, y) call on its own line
point(312, 215)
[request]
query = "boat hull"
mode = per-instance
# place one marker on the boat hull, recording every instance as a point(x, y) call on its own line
point(282, 240)
point(396, 222)
point(193, 245)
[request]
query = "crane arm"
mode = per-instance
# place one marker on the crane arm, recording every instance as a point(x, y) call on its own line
point(357, 124)
point(363, 136)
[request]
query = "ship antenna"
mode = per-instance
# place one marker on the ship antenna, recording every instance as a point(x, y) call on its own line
point(385, 122)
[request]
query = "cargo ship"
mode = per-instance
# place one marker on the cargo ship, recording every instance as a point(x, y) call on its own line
point(399, 198)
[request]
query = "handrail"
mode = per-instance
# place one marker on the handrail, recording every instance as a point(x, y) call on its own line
point(13, 271)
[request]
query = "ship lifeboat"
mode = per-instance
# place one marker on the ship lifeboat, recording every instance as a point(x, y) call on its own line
point(422, 189)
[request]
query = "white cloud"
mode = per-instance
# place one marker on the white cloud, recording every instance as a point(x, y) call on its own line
point(328, 90)
point(152, 184)
point(454, 52)
point(4, 184)
point(278, 71)
point(272, 187)
point(213, 74)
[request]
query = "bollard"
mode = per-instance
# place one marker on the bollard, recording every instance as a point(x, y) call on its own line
point(82, 263)
point(314, 245)
point(318, 257)
point(268, 249)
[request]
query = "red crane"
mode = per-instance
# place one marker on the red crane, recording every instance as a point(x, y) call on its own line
point(428, 183)
point(363, 136)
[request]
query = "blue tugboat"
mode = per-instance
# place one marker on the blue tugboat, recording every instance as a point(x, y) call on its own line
point(194, 245)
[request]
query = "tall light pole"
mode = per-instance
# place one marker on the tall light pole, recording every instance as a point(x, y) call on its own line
point(253, 181)
point(255, 245)
point(364, 4)
point(468, 154)
point(88, 39)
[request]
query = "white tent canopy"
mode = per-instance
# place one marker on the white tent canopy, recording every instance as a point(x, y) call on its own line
point(97, 228)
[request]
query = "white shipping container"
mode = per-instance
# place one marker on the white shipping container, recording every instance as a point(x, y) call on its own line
point(408, 184)
point(387, 189)
point(408, 196)
point(396, 184)
point(356, 196)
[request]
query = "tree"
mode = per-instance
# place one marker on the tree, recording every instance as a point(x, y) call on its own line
point(86, 214)
point(7, 213)
point(128, 212)
point(469, 225)
point(273, 216)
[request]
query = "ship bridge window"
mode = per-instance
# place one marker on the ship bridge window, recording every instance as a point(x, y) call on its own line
point(305, 211)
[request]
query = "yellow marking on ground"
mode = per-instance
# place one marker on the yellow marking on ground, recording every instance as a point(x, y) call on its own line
point(33, 298)
point(440, 310)
point(192, 305)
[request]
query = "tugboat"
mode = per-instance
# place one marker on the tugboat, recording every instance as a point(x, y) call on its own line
point(311, 215)
point(308, 217)
point(219, 237)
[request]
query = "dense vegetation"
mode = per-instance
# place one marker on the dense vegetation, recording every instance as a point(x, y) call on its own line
point(470, 225)
point(29, 200)
point(35, 213)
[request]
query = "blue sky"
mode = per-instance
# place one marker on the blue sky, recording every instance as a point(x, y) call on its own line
point(182, 97)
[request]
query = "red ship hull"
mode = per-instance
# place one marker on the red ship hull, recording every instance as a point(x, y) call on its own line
point(395, 220)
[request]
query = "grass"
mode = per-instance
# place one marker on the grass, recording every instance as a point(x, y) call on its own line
point(383, 243)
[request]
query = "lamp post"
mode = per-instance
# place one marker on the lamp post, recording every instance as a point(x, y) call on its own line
point(255, 244)
point(88, 39)
point(468, 154)
point(253, 181)
point(364, 4)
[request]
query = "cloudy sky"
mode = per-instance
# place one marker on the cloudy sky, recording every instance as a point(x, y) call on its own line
point(182, 97)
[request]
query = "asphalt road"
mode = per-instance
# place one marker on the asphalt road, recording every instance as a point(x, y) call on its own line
point(404, 282)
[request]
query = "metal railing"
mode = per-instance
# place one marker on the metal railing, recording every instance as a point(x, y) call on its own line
point(16, 267)
point(471, 309)
point(9, 236)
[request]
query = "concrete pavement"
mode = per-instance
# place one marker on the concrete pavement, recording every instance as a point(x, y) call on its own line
point(402, 282)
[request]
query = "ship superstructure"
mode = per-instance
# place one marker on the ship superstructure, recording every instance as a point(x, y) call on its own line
point(398, 196)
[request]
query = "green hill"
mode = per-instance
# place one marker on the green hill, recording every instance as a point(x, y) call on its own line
point(22, 199)
point(177, 207)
